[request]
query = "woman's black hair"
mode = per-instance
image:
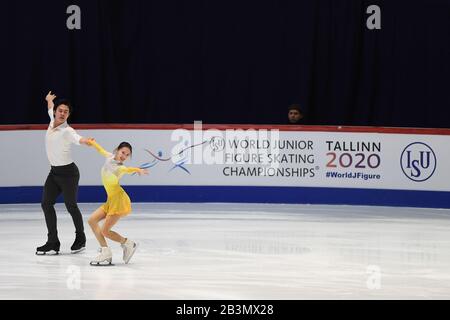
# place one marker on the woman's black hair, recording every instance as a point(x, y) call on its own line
point(125, 145)
point(64, 102)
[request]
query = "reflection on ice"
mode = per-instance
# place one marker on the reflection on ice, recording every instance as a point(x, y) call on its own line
point(236, 251)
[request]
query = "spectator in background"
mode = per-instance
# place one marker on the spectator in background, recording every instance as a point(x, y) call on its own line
point(296, 114)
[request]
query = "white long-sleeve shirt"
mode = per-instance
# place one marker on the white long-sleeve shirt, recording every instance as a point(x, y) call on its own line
point(58, 142)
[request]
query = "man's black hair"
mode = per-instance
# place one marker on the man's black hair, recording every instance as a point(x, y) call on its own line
point(64, 102)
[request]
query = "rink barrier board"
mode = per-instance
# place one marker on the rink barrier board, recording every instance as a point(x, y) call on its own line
point(250, 194)
point(246, 194)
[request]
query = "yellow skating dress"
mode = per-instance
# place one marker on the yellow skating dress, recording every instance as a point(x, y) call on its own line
point(118, 201)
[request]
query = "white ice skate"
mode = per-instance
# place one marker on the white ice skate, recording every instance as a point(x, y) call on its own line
point(104, 258)
point(129, 247)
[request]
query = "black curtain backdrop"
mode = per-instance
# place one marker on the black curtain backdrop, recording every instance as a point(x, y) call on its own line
point(228, 61)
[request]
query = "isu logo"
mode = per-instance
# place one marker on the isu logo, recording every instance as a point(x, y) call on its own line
point(418, 161)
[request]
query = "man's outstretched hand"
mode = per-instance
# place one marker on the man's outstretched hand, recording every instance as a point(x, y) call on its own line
point(87, 141)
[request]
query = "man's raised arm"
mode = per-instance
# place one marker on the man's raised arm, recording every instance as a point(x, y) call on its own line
point(50, 97)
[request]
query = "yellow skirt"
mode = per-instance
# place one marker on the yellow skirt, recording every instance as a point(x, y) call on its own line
point(117, 204)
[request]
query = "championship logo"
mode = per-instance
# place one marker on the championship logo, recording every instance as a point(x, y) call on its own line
point(418, 161)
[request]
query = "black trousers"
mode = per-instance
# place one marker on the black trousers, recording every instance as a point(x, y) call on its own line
point(61, 179)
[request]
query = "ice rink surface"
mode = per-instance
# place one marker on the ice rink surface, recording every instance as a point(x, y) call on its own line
point(235, 251)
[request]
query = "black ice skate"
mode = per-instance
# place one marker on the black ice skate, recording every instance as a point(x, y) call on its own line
point(50, 248)
point(79, 243)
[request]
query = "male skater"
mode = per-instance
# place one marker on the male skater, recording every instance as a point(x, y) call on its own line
point(63, 177)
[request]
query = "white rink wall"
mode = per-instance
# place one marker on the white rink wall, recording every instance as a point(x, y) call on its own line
point(246, 158)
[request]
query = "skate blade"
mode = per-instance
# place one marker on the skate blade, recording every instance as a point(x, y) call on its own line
point(132, 253)
point(101, 264)
point(78, 251)
point(48, 253)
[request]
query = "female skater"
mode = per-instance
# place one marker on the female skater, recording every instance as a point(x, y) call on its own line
point(117, 204)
